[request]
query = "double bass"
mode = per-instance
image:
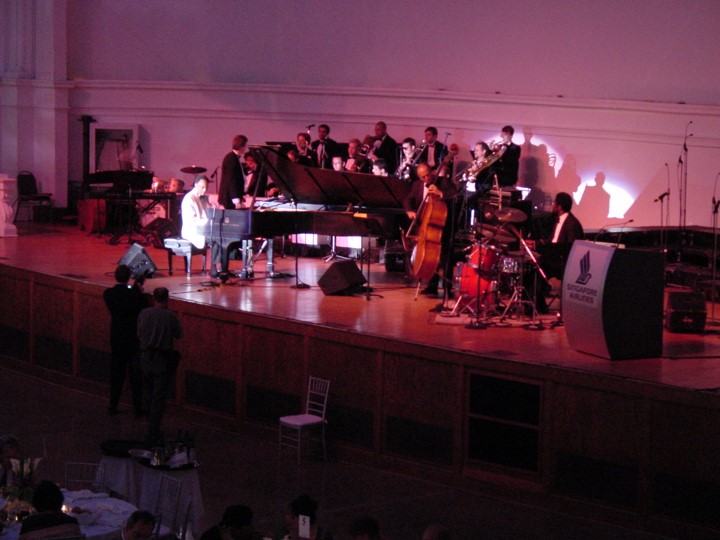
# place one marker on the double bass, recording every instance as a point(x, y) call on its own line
point(427, 231)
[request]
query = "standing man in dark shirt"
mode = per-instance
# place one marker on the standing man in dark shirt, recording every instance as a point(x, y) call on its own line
point(232, 181)
point(324, 147)
point(124, 301)
point(507, 167)
point(384, 147)
point(158, 328)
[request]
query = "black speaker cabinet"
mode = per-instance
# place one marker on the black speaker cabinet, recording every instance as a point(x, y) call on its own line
point(158, 230)
point(686, 312)
point(139, 261)
point(342, 278)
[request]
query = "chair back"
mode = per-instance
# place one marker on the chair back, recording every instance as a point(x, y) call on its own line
point(168, 501)
point(79, 475)
point(26, 184)
point(317, 396)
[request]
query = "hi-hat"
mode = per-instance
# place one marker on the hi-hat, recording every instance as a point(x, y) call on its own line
point(193, 169)
point(513, 215)
point(496, 233)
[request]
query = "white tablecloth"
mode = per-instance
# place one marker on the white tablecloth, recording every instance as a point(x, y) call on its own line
point(102, 520)
point(140, 485)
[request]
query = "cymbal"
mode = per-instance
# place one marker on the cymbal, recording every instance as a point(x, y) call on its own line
point(513, 215)
point(496, 233)
point(193, 169)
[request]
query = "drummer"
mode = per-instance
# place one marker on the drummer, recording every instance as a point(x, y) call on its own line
point(555, 248)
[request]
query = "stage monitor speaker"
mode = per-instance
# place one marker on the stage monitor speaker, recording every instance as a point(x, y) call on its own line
point(342, 278)
point(158, 230)
point(686, 312)
point(139, 261)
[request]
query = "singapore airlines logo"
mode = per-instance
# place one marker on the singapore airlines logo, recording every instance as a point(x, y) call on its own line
point(585, 274)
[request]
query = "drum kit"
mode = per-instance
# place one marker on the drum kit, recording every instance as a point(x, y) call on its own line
point(491, 270)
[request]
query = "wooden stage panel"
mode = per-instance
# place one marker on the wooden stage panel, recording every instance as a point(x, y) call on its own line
point(406, 387)
point(53, 307)
point(598, 424)
point(14, 315)
point(354, 403)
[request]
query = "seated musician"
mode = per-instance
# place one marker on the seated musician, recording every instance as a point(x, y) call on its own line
point(406, 169)
point(194, 212)
point(379, 167)
point(305, 155)
point(430, 185)
point(434, 151)
point(357, 162)
point(338, 164)
point(554, 249)
point(257, 183)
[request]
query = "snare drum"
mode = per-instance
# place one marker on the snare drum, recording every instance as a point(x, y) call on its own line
point(485, 259)
point(510, 265)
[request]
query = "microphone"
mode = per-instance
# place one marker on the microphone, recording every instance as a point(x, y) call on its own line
point(310, 126)
point(448, 133)
point(662, 196)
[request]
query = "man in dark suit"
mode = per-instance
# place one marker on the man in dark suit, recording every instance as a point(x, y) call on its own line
point(384, 147)
point(124, 302)
point(434, 150)
point(508, 165)
point(232, 182)
point(325, 148)
point(554, 249)
point(443, 187)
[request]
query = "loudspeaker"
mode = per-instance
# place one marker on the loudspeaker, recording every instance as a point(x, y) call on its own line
point(342, 278)
point(158, 230)
point(686, 312)
point(139, 261)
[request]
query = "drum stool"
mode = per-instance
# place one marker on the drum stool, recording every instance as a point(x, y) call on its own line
point(184, 248)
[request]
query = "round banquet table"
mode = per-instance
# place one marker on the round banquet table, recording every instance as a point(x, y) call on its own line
point(102, 519)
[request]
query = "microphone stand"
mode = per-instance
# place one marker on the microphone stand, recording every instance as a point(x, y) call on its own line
point(298, 284)
point(713, 299)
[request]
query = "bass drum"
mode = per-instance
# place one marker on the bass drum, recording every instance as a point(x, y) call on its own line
point(470, 284)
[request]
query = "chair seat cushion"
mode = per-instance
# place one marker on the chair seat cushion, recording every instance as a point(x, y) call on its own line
point(300, 420)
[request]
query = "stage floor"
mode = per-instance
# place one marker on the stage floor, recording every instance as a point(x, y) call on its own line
point(690, 361)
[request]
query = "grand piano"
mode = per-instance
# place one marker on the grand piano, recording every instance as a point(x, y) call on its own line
point(350, 204)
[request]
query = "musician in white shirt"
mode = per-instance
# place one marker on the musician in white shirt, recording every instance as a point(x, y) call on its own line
point(194, 210)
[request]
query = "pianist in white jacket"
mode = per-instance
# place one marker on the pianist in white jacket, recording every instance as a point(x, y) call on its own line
point(194, 210)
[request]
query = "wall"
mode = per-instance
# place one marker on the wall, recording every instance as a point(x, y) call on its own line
point(610, 86)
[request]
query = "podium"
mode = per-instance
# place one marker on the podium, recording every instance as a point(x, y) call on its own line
point(612, 301)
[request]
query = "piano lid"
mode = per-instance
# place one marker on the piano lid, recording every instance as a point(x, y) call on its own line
point(326, 187)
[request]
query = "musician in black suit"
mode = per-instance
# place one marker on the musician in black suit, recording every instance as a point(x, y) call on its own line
point(232, 181)
point(324, 147)
point(555, 248)
point(256, 178)
point(429, 184)
point(508, 165)
point(384, 147)
point(305, 155)
point(434, 151)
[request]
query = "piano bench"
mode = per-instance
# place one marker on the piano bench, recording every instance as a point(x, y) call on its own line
point(183, 248)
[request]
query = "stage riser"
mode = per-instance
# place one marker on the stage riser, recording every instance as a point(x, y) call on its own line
point(561, 430)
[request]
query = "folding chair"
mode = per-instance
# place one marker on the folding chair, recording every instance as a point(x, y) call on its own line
point(292, 428)
point(79, 475)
